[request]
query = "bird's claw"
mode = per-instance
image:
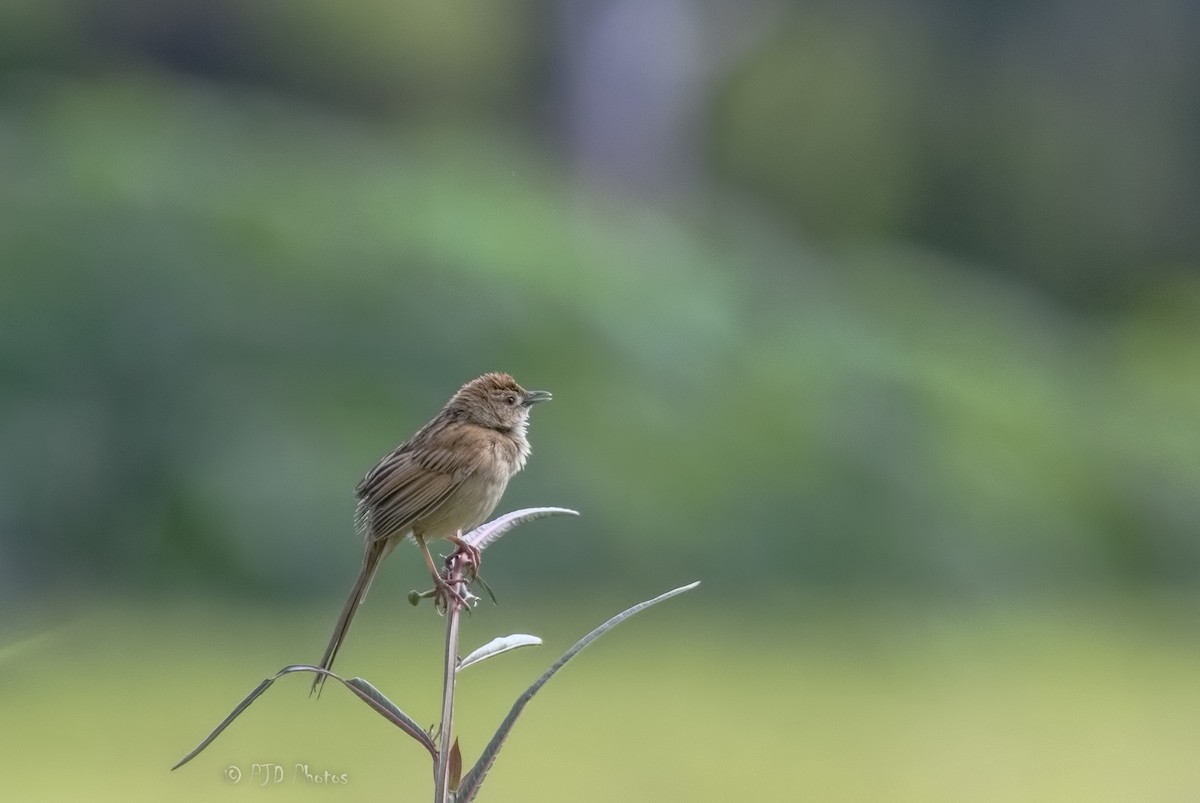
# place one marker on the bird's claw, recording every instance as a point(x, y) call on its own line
point(469, 556)
point(442, 593)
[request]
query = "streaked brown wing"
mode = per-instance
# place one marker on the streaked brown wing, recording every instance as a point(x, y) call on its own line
point(413, 481)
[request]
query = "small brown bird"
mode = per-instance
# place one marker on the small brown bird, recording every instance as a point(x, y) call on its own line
point(444, 480)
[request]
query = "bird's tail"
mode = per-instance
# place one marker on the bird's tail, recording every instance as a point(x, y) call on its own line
point(375, 553)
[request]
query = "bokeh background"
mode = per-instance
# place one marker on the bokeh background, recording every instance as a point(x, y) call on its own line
point(881, 319)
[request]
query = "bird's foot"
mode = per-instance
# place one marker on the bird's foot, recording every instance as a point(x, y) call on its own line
point(468, 555)
point(442, 593)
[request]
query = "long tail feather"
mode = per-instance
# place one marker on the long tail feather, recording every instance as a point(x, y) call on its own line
point(375, 554)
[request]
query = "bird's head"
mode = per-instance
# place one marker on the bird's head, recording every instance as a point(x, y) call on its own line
point(497, 402)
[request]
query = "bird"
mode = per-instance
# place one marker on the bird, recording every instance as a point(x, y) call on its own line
point(444, 480)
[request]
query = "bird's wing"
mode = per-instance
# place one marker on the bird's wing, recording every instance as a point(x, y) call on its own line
point(415, 480)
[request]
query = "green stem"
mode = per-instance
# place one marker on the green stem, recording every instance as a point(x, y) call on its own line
point(441, 793)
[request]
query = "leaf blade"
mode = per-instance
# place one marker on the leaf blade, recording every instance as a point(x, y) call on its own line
point(474, 778)
point(499, 646)
point(486, 534)
point(361, 688)
point(238, 709)
point(374, 698)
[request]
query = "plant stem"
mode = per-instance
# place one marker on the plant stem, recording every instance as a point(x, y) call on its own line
point(441, 792)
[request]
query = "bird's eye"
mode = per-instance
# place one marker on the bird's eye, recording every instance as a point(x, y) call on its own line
point(511, 398)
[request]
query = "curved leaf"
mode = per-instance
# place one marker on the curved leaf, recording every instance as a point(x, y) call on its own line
point(471, 783)
point(485, 534)
point(361, 688)
point(240, 707)
point(390, 711)
point(498, 646)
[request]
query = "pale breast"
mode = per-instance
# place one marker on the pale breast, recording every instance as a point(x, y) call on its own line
point(472, 502)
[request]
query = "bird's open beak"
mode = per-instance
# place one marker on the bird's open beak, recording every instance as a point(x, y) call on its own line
point(534, 396)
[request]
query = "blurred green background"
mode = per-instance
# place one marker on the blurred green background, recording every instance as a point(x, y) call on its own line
point(882, 319)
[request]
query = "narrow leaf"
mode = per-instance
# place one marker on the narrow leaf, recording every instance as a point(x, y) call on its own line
point(497, 646)
point(242, 706)
point(390, 711)
point(485, 534)
point(474, 779)
point(361, 688)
